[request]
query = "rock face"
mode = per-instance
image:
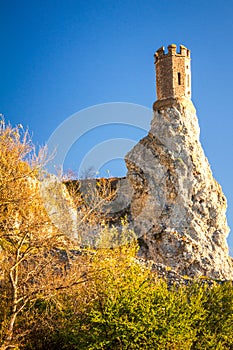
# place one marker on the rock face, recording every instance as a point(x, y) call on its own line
point(178, 208)
point(59, 205)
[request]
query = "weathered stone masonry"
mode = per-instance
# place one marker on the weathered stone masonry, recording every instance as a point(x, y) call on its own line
point(173, 73)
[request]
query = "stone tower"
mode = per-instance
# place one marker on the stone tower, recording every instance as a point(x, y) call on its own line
point(177, 207)
point(173, 73)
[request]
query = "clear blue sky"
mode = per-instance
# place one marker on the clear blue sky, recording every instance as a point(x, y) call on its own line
point(58, 57)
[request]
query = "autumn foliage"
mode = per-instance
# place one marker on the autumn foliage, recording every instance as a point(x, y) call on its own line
point(55, 295)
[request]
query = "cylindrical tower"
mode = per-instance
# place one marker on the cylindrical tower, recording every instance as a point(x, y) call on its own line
point(173, 73)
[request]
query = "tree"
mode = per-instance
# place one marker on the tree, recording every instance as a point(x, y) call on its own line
point(101, 297)
point(34, 254)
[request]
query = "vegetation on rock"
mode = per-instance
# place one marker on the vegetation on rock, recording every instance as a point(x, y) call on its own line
point(56, 296)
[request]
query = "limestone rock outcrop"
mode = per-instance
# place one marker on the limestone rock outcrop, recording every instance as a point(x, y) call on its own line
point(59, 205)
point(178, 209)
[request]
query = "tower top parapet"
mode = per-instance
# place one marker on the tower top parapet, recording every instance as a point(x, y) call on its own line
point(173, 72)
point(160, 53)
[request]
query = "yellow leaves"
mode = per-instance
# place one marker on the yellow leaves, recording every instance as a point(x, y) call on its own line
point(202, 277)
point(168, 268)
point(186, 277)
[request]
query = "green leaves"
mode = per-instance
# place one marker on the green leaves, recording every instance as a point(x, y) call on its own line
point(102, 298)
point(124, 306)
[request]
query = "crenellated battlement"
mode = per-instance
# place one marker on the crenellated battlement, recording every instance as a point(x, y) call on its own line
point(173, 73)
point(160, 53)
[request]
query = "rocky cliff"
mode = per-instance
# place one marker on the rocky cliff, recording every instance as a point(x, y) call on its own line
point(178, 209)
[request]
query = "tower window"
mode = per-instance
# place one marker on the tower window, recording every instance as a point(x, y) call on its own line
point(188, 80)
point(179, 79)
